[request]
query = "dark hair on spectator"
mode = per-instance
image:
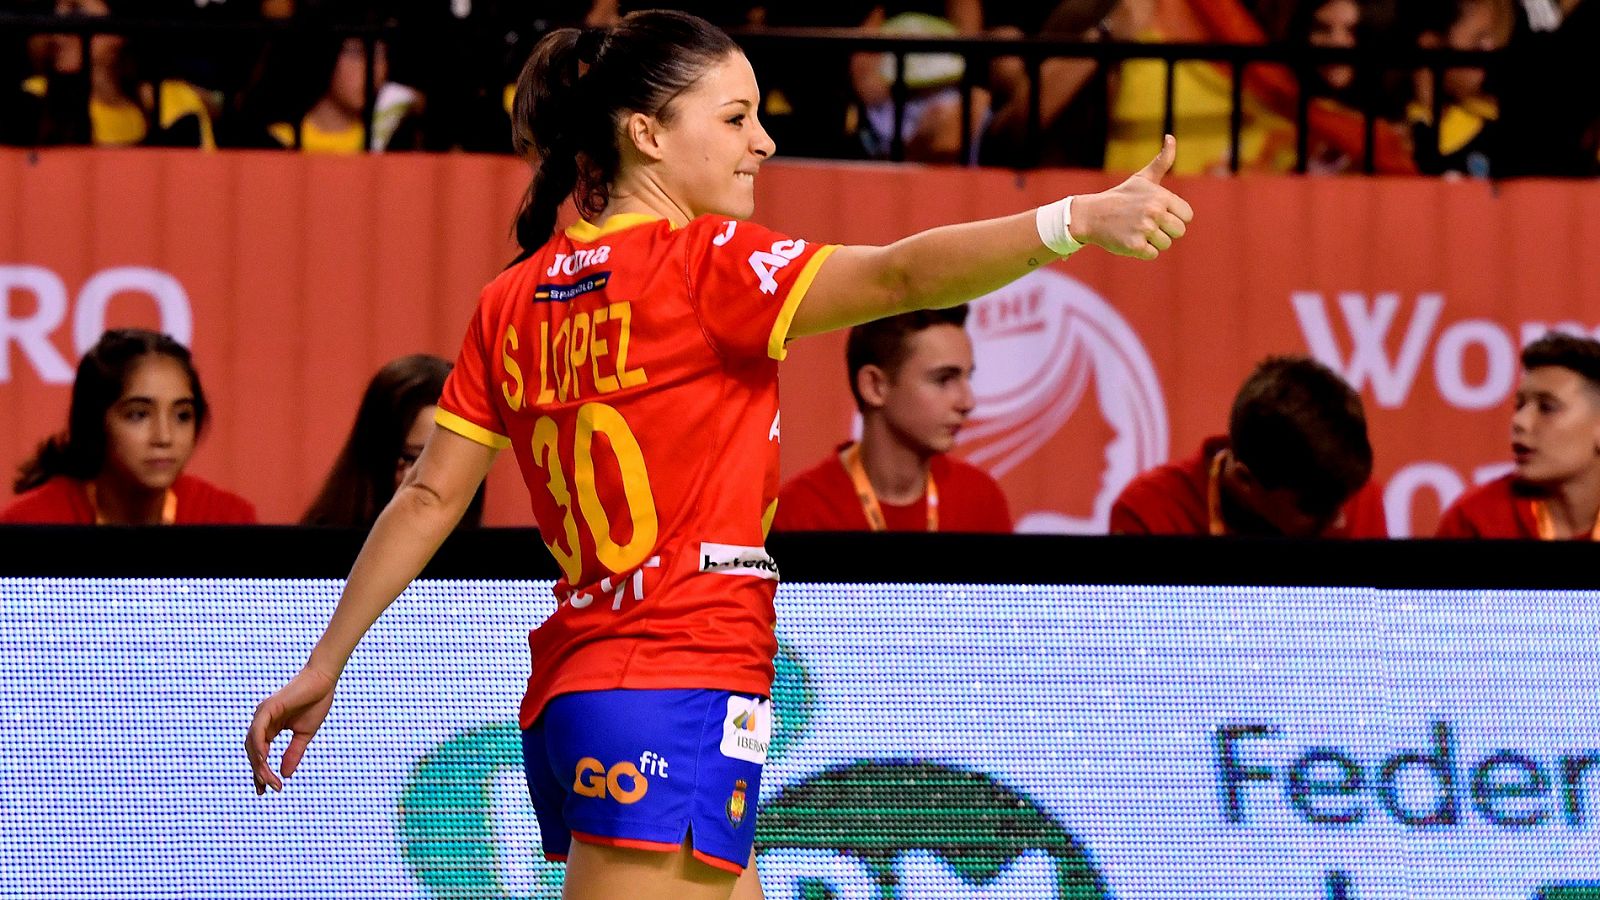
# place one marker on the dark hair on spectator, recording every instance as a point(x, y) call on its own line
point(1297, 425)
point(882, 342)
point(361, 482)
point(1569, 351)
point(102, 375)
point(577, 86)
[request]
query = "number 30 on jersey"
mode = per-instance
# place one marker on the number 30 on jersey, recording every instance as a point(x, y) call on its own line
point(592, 419)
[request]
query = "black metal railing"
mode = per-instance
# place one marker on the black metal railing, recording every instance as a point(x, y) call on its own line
point(1370, 64)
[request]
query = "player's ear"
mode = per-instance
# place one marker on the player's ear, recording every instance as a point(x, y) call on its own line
point(872, 382)
point(644, 133)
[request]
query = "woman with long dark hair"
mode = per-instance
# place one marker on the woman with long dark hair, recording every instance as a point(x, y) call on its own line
point(632, 362)
point(391, 428)
point(137, 412)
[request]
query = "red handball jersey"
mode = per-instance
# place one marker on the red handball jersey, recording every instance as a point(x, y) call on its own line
point(191, 501)
point(823, 498)
point(1502, 508)
point(633, 369)
point(1175, 499)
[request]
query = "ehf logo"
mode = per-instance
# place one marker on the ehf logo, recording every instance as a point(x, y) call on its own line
point(1060, 371)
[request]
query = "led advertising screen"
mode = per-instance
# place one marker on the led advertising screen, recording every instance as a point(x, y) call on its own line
point(931, 741)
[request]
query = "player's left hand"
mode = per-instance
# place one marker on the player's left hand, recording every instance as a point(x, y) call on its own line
point(1138, 217)
point(299, 706)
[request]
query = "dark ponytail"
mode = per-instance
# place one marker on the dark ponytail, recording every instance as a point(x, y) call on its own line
point(81, 451)
point(573, 93)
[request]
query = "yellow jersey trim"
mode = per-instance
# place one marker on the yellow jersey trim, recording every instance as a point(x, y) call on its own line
point(469, 430)
point(768, 516)
point(587, 231)
point(780, 328)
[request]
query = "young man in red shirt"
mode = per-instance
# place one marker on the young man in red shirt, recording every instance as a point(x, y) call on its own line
point(1554, 491)
point(1296, 461)
point(912, 379)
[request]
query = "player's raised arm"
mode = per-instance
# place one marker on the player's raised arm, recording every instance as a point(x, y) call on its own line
point(955, 263)
point(410, 529)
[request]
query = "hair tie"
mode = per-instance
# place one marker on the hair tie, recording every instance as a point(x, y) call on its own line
point(591, 43)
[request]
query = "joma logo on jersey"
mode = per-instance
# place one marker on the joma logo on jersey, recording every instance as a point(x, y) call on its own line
point(622, 782)
point(577, 261)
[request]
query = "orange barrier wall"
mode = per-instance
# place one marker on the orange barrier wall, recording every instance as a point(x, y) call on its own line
point(295, 277)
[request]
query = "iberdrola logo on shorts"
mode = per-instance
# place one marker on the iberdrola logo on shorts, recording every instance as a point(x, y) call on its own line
point(909, 830)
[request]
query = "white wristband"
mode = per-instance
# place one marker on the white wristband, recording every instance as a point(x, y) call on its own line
point(1053, 221)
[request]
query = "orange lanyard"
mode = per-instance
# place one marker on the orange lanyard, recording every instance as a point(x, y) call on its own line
point(1547, 526)
point(851, 458)
point(169, 508)
point(1214, 498)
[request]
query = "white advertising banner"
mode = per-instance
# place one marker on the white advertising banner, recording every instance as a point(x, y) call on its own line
point(931, 742)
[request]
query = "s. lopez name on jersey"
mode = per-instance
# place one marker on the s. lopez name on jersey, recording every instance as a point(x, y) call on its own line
point(584, 354)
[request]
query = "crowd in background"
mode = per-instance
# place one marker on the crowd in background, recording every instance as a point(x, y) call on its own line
point(443, 72)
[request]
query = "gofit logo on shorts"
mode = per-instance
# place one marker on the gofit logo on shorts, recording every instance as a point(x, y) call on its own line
point(1045, 345)
point(622, 782)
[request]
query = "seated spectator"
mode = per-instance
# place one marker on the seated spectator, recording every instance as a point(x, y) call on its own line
point(1463, 139)
point(391, 428)
point(1336, 142)
point(930, 129)
point(1075, 95)
point(115, 105)
point(137, 412)
point(912, 380)
point(333, 121)
point(1203, 104)
point(1295, 462)
point(1554, 491)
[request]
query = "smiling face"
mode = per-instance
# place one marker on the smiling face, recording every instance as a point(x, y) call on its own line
point(151, 429)
point(1555, 429)
point(709, 143)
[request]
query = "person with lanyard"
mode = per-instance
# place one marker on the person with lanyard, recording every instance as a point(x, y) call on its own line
point(911, 376)
point(631, 359)
point(1295, 462)
point(1553, 491)
point(136, 414)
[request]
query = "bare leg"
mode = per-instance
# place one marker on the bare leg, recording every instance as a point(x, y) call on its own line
point(749, 885)
point(606, 873)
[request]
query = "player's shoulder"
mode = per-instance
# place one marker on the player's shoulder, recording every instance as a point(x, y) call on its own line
point(59, 501)
point(217, 505)
point(1174, 477)
point(1499, 492)
point(818, 479)
point(958, 470)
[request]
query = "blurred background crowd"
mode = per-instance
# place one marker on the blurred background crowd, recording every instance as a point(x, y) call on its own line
point(294, 74)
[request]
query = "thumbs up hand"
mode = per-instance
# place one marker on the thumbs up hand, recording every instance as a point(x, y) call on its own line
point(1138, 217)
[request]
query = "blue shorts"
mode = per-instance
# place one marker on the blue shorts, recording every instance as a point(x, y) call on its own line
point(645, 769)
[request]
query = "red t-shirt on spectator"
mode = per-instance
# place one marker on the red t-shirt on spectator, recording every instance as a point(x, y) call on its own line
point(822, 498)
point(1499, 509)
point(1174, 499)
point(65, 501)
